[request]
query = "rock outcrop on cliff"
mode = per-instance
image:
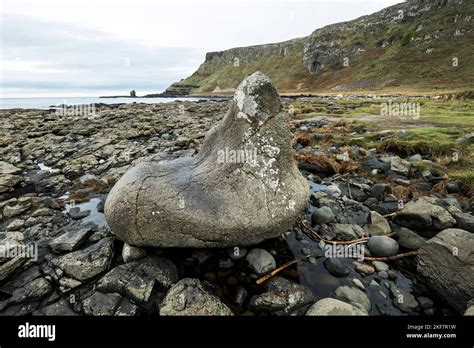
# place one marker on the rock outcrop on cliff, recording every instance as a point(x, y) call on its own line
point(413, 44)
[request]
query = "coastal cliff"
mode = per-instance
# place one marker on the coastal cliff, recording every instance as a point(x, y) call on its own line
point(413, 45)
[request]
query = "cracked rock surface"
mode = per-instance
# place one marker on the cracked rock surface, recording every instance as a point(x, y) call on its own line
point(189, 297)
point(242, 188)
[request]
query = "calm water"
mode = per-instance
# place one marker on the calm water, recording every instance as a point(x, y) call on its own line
point(46, 103)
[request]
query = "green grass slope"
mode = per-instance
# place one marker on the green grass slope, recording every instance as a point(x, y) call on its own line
point(429, 48)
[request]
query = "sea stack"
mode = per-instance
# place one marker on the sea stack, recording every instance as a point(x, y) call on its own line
point(242, 188)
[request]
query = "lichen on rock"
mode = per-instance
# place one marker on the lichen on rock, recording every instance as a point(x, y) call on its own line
point(242, 188)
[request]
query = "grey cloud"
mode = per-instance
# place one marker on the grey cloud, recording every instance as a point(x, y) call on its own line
point(87, 59)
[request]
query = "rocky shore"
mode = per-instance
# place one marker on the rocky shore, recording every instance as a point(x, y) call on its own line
point(56, 172)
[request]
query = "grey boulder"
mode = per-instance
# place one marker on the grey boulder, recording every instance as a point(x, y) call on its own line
point(88, 262)
point(464, 221)
point(99, 304)
point(261, 261)
point(189, 297)
point(402, 299)
point(137, 279)
point(382, 246)
point(421, 215)
point(378, 225)
point(354, 296)
point(409, 239)
point(447, 264)
point(323, 215)
point(131, 253)
point(282, 297)
point(330, 306)
point(70, 240)
point(242, 188)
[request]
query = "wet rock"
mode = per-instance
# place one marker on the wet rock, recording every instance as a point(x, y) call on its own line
point(100, 206)
point(126, 308)
point(378, 225)
point(451, 204)
point(357, 191)
point(373, 162)
point(99, 304)
point(358, 283)
point(137, 279)
point(390, 198)
point(8, 177)
point(10, 266)
point(89, 180)
point(469, 311)
point(353, 213)
point(425, 302)
point(403, 182)
point(67, 283)
point(241, 296)
point(424, 186)
point(132, 253)
point(386, 208)
point(76, 213)
point(373, 283)
point(382, 246)
point(409, 239)
point(446, 262)
point(48, 202)
point(282, 296)
point(421, 215)
point(363, 268)
point(10, 211)
point(183, 141)
point(88, 262)
point(7, 168)
point(60, 308)
point(347, 231)
point(319, 165)
point(402, 299)
point(453, 186)
point(15, 225)
point(189, 297)
point(323, 215)
point(399, 165)
point(42, 212)
point(380, 266)
point(34, 290)
point(336, 267)
point(322, 200)
point(379, 191)
point(333, 191)
point(70, 240)
point(464, 221)
point(331, 306)
point(21, 279)
point(260, 261)
point(371, 202)
point(178, 203)
point(354, 296)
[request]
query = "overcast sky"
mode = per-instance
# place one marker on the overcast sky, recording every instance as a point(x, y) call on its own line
point(106, 47)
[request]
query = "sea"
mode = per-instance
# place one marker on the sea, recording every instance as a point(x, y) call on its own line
point(52, 102)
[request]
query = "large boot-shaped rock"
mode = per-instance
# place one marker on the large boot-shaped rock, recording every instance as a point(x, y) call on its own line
point(242, 187)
